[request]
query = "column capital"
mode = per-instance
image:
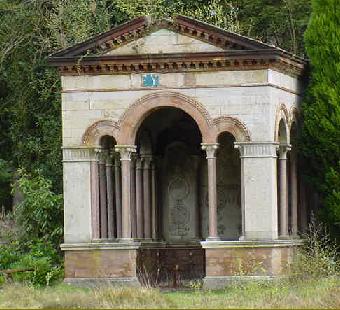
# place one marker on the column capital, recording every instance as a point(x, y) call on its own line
point(283, 150)
point(146, 161)
point(79, 154)
point(125, 151)
point(257, 149)
point(210, 149)
point(139, 163)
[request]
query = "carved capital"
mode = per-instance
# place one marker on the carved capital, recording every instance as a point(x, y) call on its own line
point(283, 150)
point(125, 151)
point(139, 164)
point(210, 149)
point(78, 154)
point(146, 160)
point(257, 149)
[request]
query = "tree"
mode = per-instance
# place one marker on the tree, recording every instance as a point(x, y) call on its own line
point(321, 109)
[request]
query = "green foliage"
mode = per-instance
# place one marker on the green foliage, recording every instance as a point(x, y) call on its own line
point(318, 257)
point(40, 258)
point(321, 110)
point(40, 213)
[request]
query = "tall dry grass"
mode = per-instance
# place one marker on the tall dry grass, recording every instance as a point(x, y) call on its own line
point(321, 293)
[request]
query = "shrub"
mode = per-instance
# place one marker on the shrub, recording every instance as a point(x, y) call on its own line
point(39, 215)
point(318, 257)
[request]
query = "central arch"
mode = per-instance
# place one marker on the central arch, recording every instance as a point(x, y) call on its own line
point(138, 111)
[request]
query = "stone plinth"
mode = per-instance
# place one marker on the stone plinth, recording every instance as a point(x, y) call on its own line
point(228, 261)
point(101, 263)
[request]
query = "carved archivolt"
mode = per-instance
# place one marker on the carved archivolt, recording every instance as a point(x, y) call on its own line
point(124, 131)
point(139, 110)
point(99, 129)
point(233, 126)
point(294, 115)
point(281, 114)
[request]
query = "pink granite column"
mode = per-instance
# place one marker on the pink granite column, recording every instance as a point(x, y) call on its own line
point(125, 158)
point(210, 149)
point(147, 197)
point(133, 198)
point(294, 192)
point(283, 191)
point(102, 193)
point(139, 199)
point(153, 201)
point(110, 197)
point(118, 196)
point(95, 196)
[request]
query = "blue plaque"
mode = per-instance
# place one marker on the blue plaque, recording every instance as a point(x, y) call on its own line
point(150, 80)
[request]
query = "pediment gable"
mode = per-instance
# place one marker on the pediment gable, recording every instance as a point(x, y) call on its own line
point(171, 45)
point(164, 41)
point(181, 31)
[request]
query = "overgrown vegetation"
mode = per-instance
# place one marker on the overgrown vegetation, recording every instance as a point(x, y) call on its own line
point(30, 124)
point(321, 111)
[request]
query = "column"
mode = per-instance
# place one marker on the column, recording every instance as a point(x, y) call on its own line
point(153, 201)
point(118, 195)
point(147, 197)
point(258, 190)
point(125, 158)
point(294, 191)
point(110, 197)
point(133, 198)
point(102, 194)
point(210, 149)
point(283, 195)
point(139, 199)
point(95, 196)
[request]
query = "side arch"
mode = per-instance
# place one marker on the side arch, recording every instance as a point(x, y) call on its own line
point(99, 129)
point(281, 114)
point(139, 110)
point(294, 116)
point(233, 126)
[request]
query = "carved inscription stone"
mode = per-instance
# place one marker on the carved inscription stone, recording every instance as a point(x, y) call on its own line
point(180, 195)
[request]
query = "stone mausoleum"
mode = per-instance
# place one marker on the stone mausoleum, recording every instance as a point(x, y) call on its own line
point(179, 155)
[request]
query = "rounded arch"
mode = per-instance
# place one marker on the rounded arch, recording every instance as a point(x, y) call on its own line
point(233, 126)
point(139, 110)
point(293, 117)
point(99, 129)
point(282, 123)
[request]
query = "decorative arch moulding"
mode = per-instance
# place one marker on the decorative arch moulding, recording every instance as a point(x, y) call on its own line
point(125, 129)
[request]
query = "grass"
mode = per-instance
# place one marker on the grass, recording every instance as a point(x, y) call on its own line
point(322, 293)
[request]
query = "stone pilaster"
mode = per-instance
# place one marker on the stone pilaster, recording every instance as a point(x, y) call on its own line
point(81, 211)
point(125, 158)
point(258, 190)
point(210, 149)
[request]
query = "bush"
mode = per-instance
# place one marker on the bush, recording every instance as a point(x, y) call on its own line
point(40, 214)
point(318, 257)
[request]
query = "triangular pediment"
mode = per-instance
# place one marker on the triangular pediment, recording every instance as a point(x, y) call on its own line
point(164, 41)
point(178, 35)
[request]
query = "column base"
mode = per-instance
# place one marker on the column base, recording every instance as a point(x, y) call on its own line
point(213, 239)
point(227, 261)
